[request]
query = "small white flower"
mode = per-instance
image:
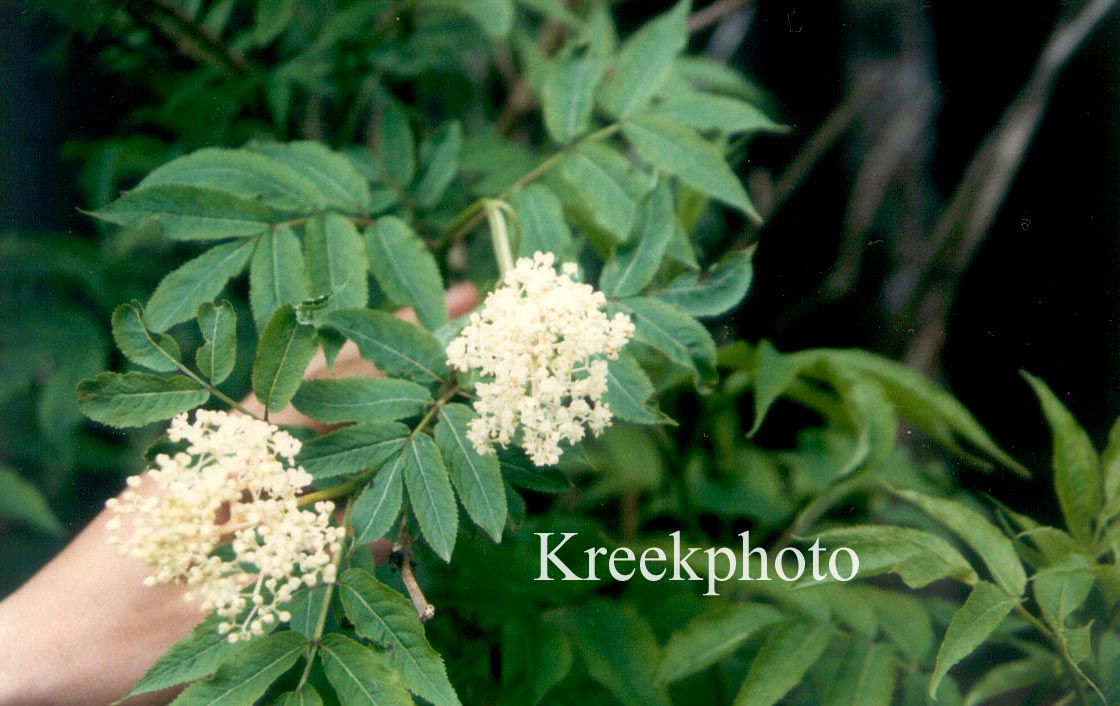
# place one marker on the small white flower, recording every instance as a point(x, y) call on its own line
point(244, 467)
point(540, 342)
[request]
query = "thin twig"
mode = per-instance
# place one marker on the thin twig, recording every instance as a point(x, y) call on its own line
point(708, 16)
point(984, 186)
point(402, 553)
point(189, 38)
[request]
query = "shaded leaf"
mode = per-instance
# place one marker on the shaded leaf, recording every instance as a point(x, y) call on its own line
point(568, 95)
point(277, 274)
point(978, 618)
point(396, 347)
point(136, 399)
point(620, 651)
point(285, 349)
point(366, 399)
point(351, 449)
point(375, 511)
point(20, 500)
point(406, 270)
point(543, 226)
point(918, 557)
point(477, 478)
point(197, 655)
point(157, 352)
point(629, 391)
point(188, 212)
point(439, 156)
point(216, 357)
point(336, 262)
point(715, 293)
point(789, 652)
point(335, 177)
point(674, 333)
point(536, 656)
point(712, 636)
point(636, 262)
point(644, 61)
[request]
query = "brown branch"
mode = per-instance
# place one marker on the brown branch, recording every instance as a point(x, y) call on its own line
point(983, 188)
point(402, 557)
point(708, 16)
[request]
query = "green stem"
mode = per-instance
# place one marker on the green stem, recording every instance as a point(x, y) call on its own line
point(536, 173)
point(321, 623)
point(214, 390)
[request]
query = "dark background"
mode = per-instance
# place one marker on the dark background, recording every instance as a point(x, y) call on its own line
point(1040, 292)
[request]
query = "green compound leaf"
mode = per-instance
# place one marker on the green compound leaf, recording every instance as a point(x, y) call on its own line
point(620, 651)
point(20, 500)
point(406, 270)
point(493, 16)
point(387, 618)
point(244, 680)
point(789, 652)
point(154, 351)
point(543, 226)
point(359, 675)
point(1077, 468)
point(715, 293)
point(277, 274)
point(644, 62)
point(919, 558)
point(395, 143)
point(361, 399)
point(352, 449)
point(997, 551)
point(439, 157)
point(135, 399)
point(333, 175)
point(978, 618)
point(336, 262)
point(710, 637)
point(677, 150)
point(285, 349)
point(306, 696)
point(674, 333)
point(636, 262)
point(429, 489)
point(188, 212)
point(215, 358)
point(396, 347)
point(375, 511)
point(245, 174)
point(568, 95)
point(477, 478)
point(866, 676)
point(200, 280)
point(536, 656)
point(197, 655)
point(629, 391)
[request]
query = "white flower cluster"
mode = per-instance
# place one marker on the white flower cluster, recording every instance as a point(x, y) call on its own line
point(540, 342)
point(243, 468)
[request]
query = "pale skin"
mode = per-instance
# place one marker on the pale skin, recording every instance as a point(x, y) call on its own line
point(84, 629)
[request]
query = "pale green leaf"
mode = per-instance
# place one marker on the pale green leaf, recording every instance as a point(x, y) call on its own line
point(677, 150)
point(352, 449)
point(976, 620)
point(568, 95)
point(197, 655)
point(904, 620)
point(154, 351)
point(629, 391)
point(1062, 589)
point(1077, 468)
point(716, 292)
point(712, 636)
point(389, 619)
point(285, 349)
point(217, 356)
point(789, 652)
point(644, 61)
point(1110, 467)
point(605, 202)
point(919, 558)
point(1011, 676)
point(674, 333)
point(704, 111)
point(365, 399)
point(429, 489)
point(542, 224)
point(359, 675)
point(477, 478)
point(248, 175)
point(306, 696)
point(396, 347)
point(774, 373)
point(335, 177)
point(636, 262)
point(307, 606)
point(337, 262)
point(245, 679)
point(277, 274)
point(997, 551)
point(20, 500)
point(200, 280)
point(136, 399)
point(188, 212)
point(439, 158)
point(406, 270)
point(375, 511)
